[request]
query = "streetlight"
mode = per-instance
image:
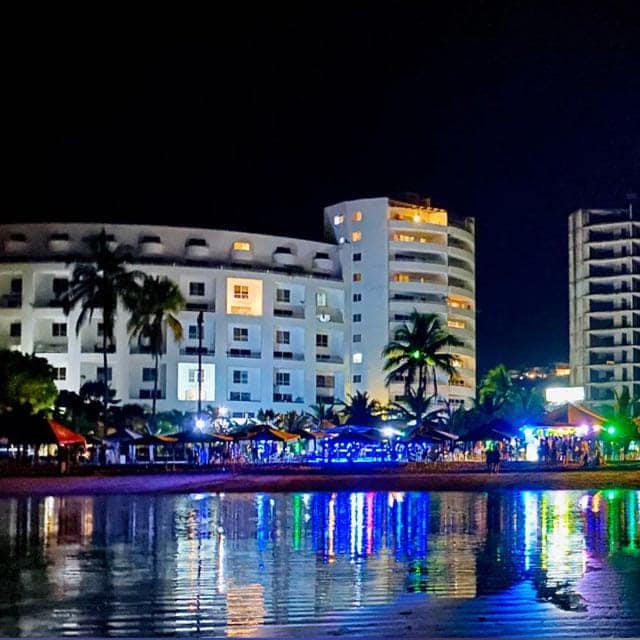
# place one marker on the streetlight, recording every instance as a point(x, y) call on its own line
point(199, 418)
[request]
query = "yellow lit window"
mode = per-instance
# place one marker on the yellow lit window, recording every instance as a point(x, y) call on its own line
point(456, 324)
point(356, 236)
point(357, 277)
point(357, 216)
point(401, 277)
point(241, 292)
point(457, 363)
point(241, 246)
point(338, 220)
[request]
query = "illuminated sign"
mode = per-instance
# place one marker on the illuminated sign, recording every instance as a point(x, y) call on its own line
point(559, 395)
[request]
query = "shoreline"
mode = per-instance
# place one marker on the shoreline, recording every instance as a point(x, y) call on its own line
point(400, 480)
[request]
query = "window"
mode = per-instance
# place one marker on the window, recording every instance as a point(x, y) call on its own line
point(356, 236)
point(60, 373)
point(100, 374)
point(59, 329)
point(357, 358)
point(338, 220)
point(357, 337)
point(456, 324)
point(283, 378)
point(357, 216)
point(401, 277)
point(283, 295)
point(60, 286)
point(321, 299)
point(192, 375)
point(357, 317)
point(357, 378)
point(243, 396)
point(357, 257)
point(357, 297)
point(357, 277)
point(193, 332)
point(240, 376)
point(15, 330)
point(196, 288)
point(327, 382)
point(148, 374)
point(241, 292)
point(100, 329)
point(322, 340)
point(240, 334)
point(16, 286)
point(240, 245)
point(283, 337)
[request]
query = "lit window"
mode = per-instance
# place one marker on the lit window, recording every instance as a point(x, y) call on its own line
point(357, 317)
point(322, 340)
point(357, 277)
point(196, 288)
point(193, 375)
point(59, 329)
point(357, 297)
point(456, 324)
point(357, 358)
point(240, 376)
point(356, 236)
point(60, 373)
point(188, 382)
point(341, 240)
point(241, 292)
point(357, 378)
point(401, 277)
point(357, 257)
point(240, 334)
point(357, 337)
point(239, 245)
point(283, 378)
point(283, 337)
point(244, 296)
point(357, 216)
point(338, 220)
point(321, 299)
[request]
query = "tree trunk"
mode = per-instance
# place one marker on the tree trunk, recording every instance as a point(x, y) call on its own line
point(155, 393)
point(435, 384)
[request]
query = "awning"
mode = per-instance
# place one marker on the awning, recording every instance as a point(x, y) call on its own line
point(37, 430)
point(274, 435)
point(151, 440)
point(194, 436)
point(64, 436)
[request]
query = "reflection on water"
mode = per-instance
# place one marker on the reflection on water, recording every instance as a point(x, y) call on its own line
point(231, 564)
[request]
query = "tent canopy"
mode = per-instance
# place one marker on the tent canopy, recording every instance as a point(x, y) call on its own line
point(570, 415)
point(200, 436)
point(38, 430)
point(273, 435)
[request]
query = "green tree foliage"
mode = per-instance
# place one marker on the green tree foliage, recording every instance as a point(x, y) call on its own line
point(154, 307)
point(98, 284)
point(321, 412)
point(26, 381)
point(360, 409)
point(623, 418)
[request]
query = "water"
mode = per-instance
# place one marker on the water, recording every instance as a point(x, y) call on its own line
point(521, 563)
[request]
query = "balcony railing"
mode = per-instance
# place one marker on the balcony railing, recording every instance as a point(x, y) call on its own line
point(326, 357)
point(289, 312)
point(243, 353)
point(288, 355)
point(200, 306)
point(193, 351)
point(97, 348)
point(49, 347)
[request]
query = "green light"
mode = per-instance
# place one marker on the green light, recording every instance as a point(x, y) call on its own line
point(416, 354)
point(611, 430)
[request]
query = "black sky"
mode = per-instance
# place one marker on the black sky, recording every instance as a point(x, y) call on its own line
point(515, 113)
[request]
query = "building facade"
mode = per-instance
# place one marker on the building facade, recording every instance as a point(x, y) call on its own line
point(396, 257)
point(281, 322)
point(604, 302)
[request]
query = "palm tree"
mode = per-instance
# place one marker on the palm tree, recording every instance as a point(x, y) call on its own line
point(99, 284)
point(323, 413)
point(154, 306)
point(497, 384)
point(622, 419)
point(417, 408)
point(360, 409)
point(418, 351)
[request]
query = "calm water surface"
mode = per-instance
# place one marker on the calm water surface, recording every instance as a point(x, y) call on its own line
point(468, 564)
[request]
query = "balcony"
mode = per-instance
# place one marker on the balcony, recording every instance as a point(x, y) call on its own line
point(11, 301)
point(289, 311)
point(240, 396)
point(284, 257)
point(147, 394)
point(200, 306)
point(243, 353)
point(59, 243)
point(16, 244)
point(288, 355)
point(328, 314)
point(151, 246)
point(322, 262)
point(287, 398)
point(196, 249)
point(51, 347)
point(96, 347)
point(190, 350)
point(330, 358)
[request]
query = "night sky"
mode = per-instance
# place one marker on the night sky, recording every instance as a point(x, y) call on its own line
point(515, 115)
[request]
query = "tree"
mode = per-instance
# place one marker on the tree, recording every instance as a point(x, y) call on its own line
point(417, 352)
point(291, 421)
point(321, 412)
point(154, 307)
point(498, 385)
point(100, 284)
point(360, 409)
point(418, 408)
point(26, 380)
point(621, 419)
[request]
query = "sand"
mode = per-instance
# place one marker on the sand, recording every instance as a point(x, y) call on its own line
point(388, 480)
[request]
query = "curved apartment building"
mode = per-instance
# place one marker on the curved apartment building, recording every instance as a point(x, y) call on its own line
point(287, 322)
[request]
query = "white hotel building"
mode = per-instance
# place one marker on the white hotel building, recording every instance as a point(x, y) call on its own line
point(287, 322)
point(604, 302)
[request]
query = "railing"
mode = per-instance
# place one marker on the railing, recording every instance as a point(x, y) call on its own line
point(48, 347)
point(289, 312)
point(326, 357)
point(288, 355)
point(243, 353)
point(97, 348)
point(147, 394)
point(193, 351)
point(200, 306)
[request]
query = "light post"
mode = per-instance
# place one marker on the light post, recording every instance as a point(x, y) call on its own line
point(200, 322)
